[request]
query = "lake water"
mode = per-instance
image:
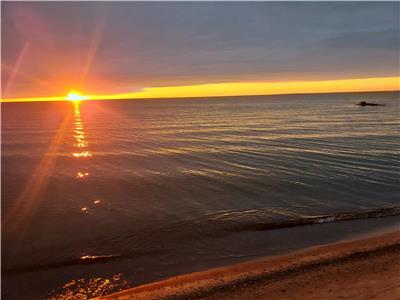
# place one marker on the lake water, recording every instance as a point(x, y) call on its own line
point(154, 188)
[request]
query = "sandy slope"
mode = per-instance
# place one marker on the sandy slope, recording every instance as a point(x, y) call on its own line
point(360, 269)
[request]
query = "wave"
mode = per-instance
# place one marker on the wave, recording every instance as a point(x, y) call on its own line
point(85, 259)
point(217, 225)
point(321, 219)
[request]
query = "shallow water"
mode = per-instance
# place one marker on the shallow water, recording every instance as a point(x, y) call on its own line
point(165, 180)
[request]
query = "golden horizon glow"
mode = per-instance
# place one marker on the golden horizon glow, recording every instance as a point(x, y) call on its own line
point(238, 89)
point(76, 96)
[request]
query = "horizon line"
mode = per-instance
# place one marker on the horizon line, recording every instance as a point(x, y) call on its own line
point(237, 89)
point(205, 97)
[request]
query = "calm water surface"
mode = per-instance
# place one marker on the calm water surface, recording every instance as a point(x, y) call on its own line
point(155, 188)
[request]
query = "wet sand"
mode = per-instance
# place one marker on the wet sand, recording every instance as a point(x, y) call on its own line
point(366, 268)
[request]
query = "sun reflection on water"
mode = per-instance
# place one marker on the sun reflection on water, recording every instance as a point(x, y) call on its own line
point(82, 174)
point(79, 134)
point(90, 288)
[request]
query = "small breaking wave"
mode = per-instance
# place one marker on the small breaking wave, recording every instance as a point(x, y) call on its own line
point(82, 260)
point(215, 225)
point(321, 219)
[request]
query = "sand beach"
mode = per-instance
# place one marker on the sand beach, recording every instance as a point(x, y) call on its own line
point(367, 268)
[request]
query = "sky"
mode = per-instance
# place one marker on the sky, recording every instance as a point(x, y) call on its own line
point(167, 49)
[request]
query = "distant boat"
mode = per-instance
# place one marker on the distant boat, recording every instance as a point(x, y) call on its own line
point(364, 103)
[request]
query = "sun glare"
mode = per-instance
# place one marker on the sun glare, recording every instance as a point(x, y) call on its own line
point(76, 96)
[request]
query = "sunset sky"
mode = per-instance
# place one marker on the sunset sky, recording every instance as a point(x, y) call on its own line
point(143, 50)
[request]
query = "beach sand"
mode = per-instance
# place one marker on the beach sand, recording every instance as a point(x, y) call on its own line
point(366, 268)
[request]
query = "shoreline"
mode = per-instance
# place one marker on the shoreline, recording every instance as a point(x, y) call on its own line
point(374, 257)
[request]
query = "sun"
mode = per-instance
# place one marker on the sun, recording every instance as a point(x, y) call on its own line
point(76, 96)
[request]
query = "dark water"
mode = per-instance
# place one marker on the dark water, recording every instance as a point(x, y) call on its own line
point(153, 188)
